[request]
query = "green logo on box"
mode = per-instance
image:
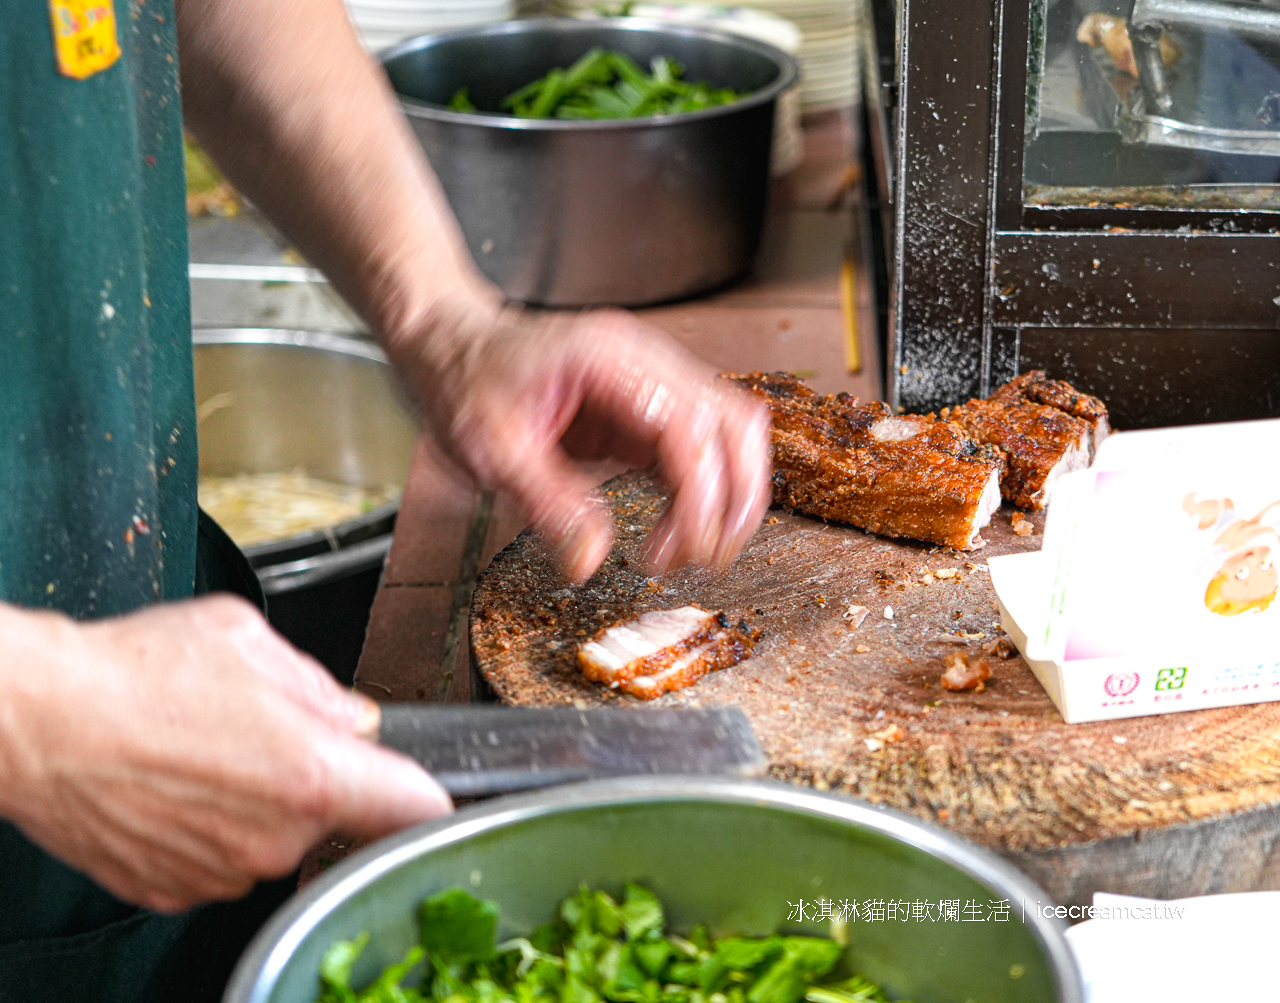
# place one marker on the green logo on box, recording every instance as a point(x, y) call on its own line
point(1171, 679)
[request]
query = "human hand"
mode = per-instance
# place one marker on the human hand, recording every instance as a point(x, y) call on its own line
point(180, 754)
point(521, 398)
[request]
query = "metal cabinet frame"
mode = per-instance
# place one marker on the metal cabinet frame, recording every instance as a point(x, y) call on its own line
point(1172, 315)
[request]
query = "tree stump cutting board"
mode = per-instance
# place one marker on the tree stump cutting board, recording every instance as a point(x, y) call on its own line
point(1168, 806)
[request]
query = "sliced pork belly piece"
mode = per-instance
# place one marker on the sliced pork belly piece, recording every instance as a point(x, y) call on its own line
point(664, 650)
point(727, 646)
point(897, 475)
point(1039, 443)
point(649, 643)
point(1039, 389)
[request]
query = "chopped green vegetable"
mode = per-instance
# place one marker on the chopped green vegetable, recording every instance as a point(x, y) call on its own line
point(641, 912)
point(335, 976)
point(461, 100)
point(742, 955)
point(854, 990)
point(597, 950)
point(458, 928)
point(787, 977)
point(335, 968)
point(604, 84)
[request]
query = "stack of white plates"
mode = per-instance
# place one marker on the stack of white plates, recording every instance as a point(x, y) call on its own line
point(383, 23)
point(828, 50)
point(828, 54)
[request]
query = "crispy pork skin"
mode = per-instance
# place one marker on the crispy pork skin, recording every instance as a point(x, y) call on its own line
point(897, 475)
point(728, 646)
point(664, 650)
point(649, 642)
point(1039, 389)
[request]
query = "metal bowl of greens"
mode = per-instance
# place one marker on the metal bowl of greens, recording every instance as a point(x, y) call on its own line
point(914, 911)
point(578, 210)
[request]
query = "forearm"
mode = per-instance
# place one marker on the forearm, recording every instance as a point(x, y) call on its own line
point(304, 122)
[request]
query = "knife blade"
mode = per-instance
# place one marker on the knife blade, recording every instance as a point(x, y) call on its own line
point(478, 751)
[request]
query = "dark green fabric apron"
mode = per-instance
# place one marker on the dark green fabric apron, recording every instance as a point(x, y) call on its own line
point(97, 422)
point(98, 459)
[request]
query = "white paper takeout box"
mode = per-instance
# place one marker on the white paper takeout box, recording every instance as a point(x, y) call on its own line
point(1156, 589)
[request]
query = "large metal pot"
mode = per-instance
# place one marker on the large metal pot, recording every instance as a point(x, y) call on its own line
point(579, 213)
point(739, 856)
point(284, 400)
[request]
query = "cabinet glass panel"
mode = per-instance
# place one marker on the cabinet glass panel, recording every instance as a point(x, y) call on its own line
point(1171, 103)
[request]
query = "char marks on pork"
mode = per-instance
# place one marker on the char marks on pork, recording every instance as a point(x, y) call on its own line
point(897, 475)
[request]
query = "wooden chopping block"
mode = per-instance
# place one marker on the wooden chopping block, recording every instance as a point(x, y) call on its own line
point(1168, 806)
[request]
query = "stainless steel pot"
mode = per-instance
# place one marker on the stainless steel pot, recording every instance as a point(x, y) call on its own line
point(739, 856)
point(283, 400)
point(581, 213)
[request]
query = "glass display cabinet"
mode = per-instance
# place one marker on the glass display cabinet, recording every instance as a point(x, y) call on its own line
point(1087, 187)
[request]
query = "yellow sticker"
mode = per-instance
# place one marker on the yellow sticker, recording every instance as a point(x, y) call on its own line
point(84, 36)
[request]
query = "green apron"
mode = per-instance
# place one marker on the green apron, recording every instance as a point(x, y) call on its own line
point(98, 458)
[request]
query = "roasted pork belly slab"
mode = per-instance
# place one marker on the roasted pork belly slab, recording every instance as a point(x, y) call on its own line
point(1045, 428)
point(1037, 388)
point(897, 475)
point(664, 650)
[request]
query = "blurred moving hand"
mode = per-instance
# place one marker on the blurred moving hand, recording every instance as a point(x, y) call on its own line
point(518, 396)
point(180, 754)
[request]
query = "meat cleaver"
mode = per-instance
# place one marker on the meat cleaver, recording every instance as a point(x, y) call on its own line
point(478, 751)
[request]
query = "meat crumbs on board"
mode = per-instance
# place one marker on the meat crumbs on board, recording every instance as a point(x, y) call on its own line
point(966, 674)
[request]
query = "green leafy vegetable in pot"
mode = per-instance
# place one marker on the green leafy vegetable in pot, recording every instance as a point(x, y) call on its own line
point(595, 950)
point(605, 84)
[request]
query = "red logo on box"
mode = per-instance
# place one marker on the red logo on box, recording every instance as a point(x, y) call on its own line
point(1121, 684)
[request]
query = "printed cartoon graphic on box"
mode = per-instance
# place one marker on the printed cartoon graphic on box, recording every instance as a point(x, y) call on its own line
point(1195, 572)
point(1246, 579)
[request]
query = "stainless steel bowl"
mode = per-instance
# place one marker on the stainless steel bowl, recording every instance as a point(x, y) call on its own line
point(737, 855)
point(328, 405)
point(574, 213)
